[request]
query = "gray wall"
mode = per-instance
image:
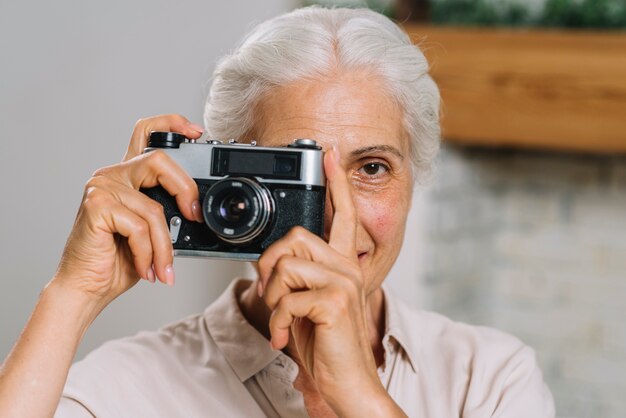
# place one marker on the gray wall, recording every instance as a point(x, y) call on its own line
point(533, 243)
point(74, 78)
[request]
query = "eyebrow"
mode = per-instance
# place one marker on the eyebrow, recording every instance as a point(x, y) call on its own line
point(377, 148)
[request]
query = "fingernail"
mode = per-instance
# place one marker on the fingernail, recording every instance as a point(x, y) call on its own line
point(259, 288)
point(169, 275)
point(197, 213)
point(196, 127)
point(150, 275)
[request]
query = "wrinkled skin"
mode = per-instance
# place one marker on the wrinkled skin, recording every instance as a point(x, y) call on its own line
point(319, 299)
point(322, 301)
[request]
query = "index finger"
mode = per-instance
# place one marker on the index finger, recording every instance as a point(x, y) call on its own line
point(157, 168)
point(343, 228)
point(164, 123)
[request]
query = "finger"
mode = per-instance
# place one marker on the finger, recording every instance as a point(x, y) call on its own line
point(152, 213)
point(343, 228)
point(298, 242)
point(163, 123)
point(293, 274)
point(313, 304)
point(301, 243)
point(157, 168)
point(292, 306)
point(121, 220)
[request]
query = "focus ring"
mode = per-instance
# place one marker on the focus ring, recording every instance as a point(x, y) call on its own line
point(261, 207)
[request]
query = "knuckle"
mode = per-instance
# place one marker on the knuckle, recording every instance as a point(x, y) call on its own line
point(96, 182)
point(176, 117)
point(282, 305)
point(158, 157)
point(339, 300)
point(263, 262)
point(282, 265)
point(187, 188)
point(91, 184)
point(298, 233)
point(140, 227)
point(282, 308)
point(102, 172)
point(155, 209)
point(157, 160)
point(94, 198)
point(141, 122)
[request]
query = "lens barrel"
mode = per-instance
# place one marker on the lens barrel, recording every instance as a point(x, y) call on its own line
point(238, 209)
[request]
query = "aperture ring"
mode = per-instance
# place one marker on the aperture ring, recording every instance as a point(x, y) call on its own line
point(261, 200)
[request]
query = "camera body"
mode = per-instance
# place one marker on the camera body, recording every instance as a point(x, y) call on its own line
point(251, 196)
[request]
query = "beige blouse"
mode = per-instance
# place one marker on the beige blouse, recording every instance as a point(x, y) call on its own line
point(215, 364)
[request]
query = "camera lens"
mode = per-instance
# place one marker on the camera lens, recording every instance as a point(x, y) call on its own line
point(238, 209)
point(234, 208)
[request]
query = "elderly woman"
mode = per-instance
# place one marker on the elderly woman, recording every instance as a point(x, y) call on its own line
point(314, 334)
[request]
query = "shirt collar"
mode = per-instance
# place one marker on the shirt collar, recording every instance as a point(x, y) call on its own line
point(399, 323)
point(248, 351)
point(245, 349)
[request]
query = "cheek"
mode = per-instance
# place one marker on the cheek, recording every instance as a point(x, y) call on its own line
point(382, 219)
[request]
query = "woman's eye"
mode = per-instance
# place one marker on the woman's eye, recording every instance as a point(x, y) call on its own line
point(374, 169)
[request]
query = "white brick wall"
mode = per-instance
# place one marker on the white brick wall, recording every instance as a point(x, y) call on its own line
point(535, 244)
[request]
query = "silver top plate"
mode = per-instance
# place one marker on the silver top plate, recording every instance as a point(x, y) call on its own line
point(196, 159)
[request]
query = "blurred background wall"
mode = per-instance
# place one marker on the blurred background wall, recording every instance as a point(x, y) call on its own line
point(525, 221)
point(74, 78)
point(533, 243)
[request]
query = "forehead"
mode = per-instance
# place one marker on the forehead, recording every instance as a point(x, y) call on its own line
point(350, 110)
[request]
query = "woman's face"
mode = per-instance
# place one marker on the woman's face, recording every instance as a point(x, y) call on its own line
point(352, 112)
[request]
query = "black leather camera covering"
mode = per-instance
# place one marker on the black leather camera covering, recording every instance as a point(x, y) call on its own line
point(299, 206)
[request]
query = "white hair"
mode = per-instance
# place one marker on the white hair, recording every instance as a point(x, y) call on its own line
point(311, 43)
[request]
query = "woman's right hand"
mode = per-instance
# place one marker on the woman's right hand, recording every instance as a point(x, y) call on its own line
point(120, 234)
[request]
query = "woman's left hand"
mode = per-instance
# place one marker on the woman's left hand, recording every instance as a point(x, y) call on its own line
point(316, 293)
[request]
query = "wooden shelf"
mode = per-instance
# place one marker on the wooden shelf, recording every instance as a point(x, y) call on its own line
point(545, 89)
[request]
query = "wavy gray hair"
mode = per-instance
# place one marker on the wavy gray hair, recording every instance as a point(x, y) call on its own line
point(309, 43)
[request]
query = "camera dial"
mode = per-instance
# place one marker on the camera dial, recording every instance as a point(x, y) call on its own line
point(238, 209)
point(165, 140)
point(305, 143)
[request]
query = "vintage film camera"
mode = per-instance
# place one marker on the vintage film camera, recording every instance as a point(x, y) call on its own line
point(250, 195)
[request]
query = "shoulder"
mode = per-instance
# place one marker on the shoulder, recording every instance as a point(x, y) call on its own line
point(431, 335)
point(470, 342)
point(491, 371)
point(136, 374)
point(183, 340)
